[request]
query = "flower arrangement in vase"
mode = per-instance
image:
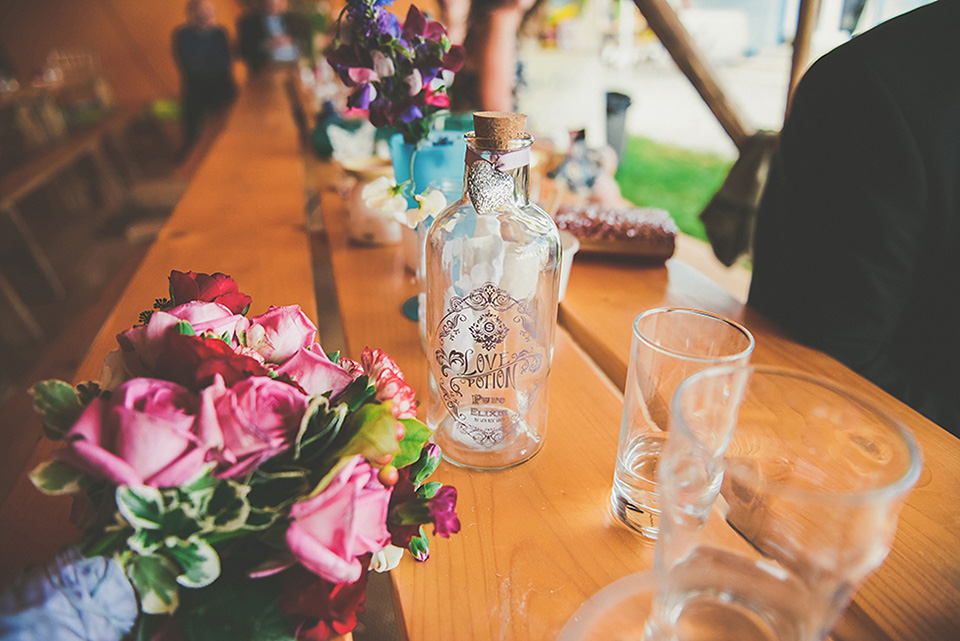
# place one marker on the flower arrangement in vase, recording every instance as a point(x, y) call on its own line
point(396, 73)
point(231, 478)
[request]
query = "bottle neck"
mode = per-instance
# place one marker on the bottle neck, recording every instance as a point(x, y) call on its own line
point(515, 162)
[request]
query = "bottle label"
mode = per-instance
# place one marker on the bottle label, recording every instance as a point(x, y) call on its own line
point(491, 357)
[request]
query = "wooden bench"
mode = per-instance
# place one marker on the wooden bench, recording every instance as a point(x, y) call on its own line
point(41, 171)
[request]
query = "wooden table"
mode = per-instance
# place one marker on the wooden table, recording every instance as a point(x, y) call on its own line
point(915, 595)
point(536, 540)
point(243, 215)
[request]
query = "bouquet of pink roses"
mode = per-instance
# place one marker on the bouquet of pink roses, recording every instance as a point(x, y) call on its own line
point(243, 479)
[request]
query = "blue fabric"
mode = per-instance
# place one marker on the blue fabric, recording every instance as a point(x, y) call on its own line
point(71, 598)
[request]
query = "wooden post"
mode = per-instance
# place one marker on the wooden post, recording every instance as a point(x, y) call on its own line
point(806, 19)
point(675, 38)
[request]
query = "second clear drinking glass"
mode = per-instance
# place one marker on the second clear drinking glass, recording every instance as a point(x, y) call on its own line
point(492, 267)
point(780, 493)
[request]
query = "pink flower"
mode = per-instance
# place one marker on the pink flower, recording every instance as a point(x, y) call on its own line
point(258, 417)
point(211, 288)
point(143, 344)
point(148, 433)
point(389, 382)
point(315, 373)
point(280, 333)
point(330, 531)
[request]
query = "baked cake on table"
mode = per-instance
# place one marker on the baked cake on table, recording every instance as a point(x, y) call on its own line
point(645, 233)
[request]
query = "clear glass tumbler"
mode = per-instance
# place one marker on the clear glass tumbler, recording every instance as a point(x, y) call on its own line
point(780, 493)
point(669, 344)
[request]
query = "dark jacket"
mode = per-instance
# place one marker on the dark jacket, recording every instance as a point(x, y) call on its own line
point(857, 243)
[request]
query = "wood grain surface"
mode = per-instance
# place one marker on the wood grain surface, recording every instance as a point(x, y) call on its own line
point(915, 595)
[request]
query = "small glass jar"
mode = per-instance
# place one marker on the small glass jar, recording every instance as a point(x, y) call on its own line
point(492, 272)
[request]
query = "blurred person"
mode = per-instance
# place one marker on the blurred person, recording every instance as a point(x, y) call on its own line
point(269, 33)
point(857, 236)
point(201, 49)
point(490, 74)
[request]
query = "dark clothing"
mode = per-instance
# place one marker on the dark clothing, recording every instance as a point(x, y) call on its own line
point(253, 34)
point(857, 243)
point(206, 75)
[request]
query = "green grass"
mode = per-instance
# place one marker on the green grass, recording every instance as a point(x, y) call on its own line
point(682, 182)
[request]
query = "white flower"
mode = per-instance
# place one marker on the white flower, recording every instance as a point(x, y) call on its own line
point(382, 196)
point(382, 65)
point(386, 559)
point(431, 202)
point(415, 80)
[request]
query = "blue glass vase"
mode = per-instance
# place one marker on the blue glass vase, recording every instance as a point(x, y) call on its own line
point(436, 162)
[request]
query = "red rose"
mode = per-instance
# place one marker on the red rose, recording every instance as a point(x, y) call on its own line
point(193, 361)
point(319, 609)
point(209, 288)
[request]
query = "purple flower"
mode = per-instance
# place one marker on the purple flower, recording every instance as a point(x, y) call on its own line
point(443, 512)
point(69, 599)
point(411, 114)
point(362, 96)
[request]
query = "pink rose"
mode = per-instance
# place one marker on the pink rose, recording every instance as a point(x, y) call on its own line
point(143, 344)
point(315, 373)
point(259, 417)
point(347, 520)
point(148, 433)
point(279, 333)
point(211, 288)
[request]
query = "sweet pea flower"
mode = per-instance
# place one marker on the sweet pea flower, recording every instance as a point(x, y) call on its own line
point(414, 82)
point(149, 432)
point(382, 65)
point(411, 114)
point(258, 417)
point(314, 372)
point(362, 96)
point(280, 332)
point(386, 559)
point(329, 532)
point(212, 288)
point(362, 74)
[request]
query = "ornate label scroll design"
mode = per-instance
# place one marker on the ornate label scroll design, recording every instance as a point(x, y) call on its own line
point(491, 373)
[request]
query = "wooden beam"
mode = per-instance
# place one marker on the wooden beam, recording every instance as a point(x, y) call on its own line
point(806, 19)
point(670, 31)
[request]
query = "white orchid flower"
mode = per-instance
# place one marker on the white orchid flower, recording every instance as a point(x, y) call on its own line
point(431, 202)
point(383, 196)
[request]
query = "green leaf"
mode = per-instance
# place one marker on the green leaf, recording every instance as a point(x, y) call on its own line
point(374, 432)
point(185, 328)
point(200, 563)
point(155, 578)
point(229, 506)
point(141, 505)
point(241, 610)
point(56, 477)
point(146, 542)
point(420, 546)
point(429, 490)
point(58, 405)
point(414, 438)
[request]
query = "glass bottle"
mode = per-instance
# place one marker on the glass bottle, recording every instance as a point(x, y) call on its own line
point(492, 271)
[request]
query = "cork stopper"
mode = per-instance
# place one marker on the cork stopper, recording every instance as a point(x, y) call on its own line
point(494, 129)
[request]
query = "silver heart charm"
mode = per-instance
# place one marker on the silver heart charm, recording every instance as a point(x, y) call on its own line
point(487, 186)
